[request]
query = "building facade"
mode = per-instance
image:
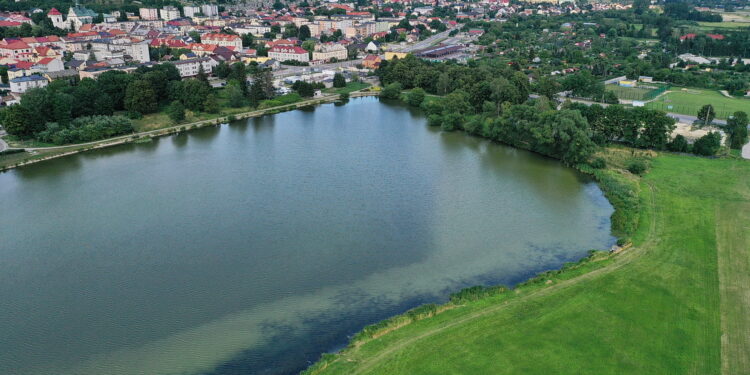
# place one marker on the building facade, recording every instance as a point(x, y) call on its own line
point(224, 40)
point(284, 53)
point(148, 14)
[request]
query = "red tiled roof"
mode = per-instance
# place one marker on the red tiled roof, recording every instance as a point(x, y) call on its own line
point(715, 36)
point(45, 60)
point(228, 37)
point(9, 24)
point(54, 12)
point(15, 45)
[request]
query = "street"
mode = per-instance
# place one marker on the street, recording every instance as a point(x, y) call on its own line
point(3, 145)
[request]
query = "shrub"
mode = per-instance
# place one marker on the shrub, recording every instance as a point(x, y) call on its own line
point(598, 163)
point(637, 166)
point(678, 144)
point(416, 97)
point(392, 91)
point(708, 144)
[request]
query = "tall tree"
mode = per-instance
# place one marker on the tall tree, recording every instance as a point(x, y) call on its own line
point(737, 129)
point(140, 97)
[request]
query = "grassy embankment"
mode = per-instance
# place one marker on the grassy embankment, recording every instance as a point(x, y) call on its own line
point(675, 303)
point(688, 101)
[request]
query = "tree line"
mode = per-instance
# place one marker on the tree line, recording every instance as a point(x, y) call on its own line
point(492, 100)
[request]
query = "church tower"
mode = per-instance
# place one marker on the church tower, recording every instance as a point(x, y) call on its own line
point(57, 18)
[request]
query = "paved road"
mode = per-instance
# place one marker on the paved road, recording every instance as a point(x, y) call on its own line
point(3, 145)
point(746, 151)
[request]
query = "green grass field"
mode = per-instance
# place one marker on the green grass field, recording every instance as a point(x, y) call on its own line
point(629, 93)
point(723, 25)
point(675, 303)
point(689, 101)
point(350, 87)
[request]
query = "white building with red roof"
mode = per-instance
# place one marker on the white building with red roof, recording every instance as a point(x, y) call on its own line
point(57, 18)
point(285, 53)
point(233, 42)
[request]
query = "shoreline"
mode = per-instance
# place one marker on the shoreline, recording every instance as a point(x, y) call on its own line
point(66, 150)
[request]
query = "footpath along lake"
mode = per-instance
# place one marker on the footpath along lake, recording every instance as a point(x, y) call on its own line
point(254, 247)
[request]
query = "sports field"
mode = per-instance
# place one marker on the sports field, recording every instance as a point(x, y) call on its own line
point(675, 303)
point(689, 101)
point(628, 93)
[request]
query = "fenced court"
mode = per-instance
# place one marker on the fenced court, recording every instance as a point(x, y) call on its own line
point(689, 101)
point(640, 92)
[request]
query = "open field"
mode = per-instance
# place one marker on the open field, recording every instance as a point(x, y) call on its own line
point(348, 89)
point(689, 101)
point(672, 304)
point(723, 25)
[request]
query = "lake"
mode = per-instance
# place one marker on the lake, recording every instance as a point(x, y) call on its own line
point(254, 247)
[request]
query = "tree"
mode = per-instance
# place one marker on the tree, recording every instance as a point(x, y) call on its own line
point(211, 104)
point(140, 97)
point(195, 36)
point(222, 70)
point(194, 94)
point(737, 129)
point(15, 123)
point(248, 41)
point(706, 114)
point(416, 97)
point(304, 32)
point(339, 80)
point(678, 144)
point(392, 91)
point(201, 74)
point(235, 98)
point(548, 87)
point(708, 144)
point(176, 111)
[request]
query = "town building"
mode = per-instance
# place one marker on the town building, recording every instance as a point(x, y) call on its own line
point(79, 16)
point(169, 13)
point(191, 11)
point(285, 52)
point(57, 19)
point(191, 67)
point(210, 10)
point(148, 14)
point(224, 40)
point(329, 51)
point(22, 84)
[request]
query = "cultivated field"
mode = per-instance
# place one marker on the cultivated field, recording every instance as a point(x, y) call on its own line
point(675, 303)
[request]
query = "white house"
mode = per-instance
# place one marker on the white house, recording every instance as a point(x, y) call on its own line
point(191, 11)
point(22, 84)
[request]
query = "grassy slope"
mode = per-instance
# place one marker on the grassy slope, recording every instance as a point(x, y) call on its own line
point(690, 101)
point(653, 309)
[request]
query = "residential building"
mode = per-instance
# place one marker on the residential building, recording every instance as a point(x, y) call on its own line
point(285, 52)
point(191, 67)
point(169, 13)
point(372, 61)
point(210, 10)
point(149, 14)
point(22, 84)
point(224, 40)
point(328, 51)
point(191, 11)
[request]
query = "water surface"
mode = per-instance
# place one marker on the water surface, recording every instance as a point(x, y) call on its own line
point(252, 248)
